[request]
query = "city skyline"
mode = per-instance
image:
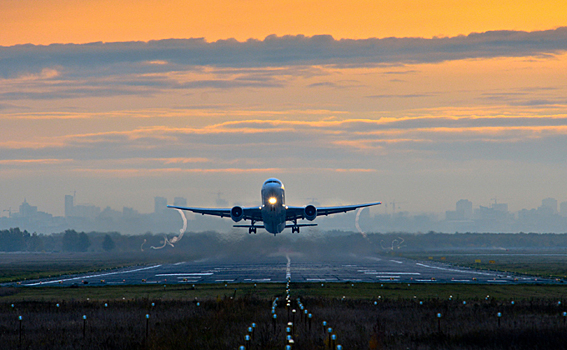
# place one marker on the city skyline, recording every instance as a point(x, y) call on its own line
point(217, 201)
point(549, 217)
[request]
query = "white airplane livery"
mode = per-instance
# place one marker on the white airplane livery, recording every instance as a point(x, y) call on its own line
point(273, 212)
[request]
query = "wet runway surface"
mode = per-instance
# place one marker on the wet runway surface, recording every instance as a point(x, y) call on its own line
point(298, 269)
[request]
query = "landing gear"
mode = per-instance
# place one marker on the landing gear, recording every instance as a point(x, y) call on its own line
point(252, 229)
point(295, 228)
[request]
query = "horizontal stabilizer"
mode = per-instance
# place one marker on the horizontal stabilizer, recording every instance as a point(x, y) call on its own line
point(299, 225)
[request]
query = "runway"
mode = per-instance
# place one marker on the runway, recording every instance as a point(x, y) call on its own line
point(297, 268)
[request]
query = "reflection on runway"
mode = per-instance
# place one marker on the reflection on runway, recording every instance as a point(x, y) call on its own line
point(280, 268)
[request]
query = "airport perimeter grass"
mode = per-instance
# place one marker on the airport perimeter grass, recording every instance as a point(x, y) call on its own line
point(265, 291)
point(546, 265)
point(371, 316)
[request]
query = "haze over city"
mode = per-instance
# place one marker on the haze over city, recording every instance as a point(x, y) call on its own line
point(420, 103)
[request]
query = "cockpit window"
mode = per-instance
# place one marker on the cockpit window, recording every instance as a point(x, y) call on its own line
point(273, 182)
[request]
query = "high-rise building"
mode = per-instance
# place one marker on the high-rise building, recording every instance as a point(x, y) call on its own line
point(27, 210)
point(464, 208)
point(69, 205)
point(563, 209)
point(503, 207)
point(550, 203)
point(160, 205)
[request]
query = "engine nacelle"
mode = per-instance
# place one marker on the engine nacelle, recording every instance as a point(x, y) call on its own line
point(236, 213)
point(310, 212)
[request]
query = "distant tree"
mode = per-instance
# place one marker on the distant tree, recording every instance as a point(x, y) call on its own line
point(75, 242)
point(35, 243)
point(84, 242)
point(13, 240)
point(108, 243)
point(69, 240)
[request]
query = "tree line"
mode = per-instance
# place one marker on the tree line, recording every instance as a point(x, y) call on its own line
point(324, 243)
point(16, 240)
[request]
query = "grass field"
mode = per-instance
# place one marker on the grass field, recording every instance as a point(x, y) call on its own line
point(358, 291)
point(370, 316)
point(548, 265)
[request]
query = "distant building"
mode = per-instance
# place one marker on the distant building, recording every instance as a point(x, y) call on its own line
point(160, 205)
point(86, 211)
point(69, 204)
point(464, 208)
point(129, 212)
point(29, 213)
point(563, 209)
point(463, 211)
point(27, 210)
point(550, 203)
point(502, 207)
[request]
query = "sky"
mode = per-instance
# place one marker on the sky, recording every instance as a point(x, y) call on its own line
point(418, 102)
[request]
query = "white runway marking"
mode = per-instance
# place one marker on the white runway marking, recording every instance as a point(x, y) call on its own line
point(396, 261)
point(374, 272)
point(93, 276)
point(454, 270)
point(320, 279)
point(288, 268)
point(387, 276)
point(185, 274)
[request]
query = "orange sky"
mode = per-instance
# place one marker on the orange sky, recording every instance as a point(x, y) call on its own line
point(66, 21)
point(494, 121)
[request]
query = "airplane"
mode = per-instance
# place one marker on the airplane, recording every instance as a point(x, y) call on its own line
point(273, 212)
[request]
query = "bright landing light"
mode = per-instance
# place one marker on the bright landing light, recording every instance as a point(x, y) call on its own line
point(272, 200)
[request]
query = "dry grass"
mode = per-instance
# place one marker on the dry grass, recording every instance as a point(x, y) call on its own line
point(222, 324)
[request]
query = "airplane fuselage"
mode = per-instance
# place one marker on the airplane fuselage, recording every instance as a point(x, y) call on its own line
point(273, 206)
point(273, 215)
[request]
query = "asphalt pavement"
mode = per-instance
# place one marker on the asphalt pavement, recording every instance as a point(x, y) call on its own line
point(280, 268)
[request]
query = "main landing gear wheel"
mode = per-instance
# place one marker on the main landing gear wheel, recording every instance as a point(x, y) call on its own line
point(252, 230)
point(295, 229)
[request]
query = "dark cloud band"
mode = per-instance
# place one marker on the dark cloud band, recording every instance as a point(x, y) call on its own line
point(274, 51)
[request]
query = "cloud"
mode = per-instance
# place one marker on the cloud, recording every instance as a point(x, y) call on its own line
point(318, 144)
point(274, 51)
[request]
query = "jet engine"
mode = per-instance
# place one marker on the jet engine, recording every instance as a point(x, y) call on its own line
point(310, 212)
point(236, 213)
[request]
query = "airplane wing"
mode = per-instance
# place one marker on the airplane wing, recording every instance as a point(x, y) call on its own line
point(299, 213)
point(251, 213)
